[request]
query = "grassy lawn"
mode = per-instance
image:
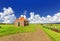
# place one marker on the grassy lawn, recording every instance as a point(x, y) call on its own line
point(10, 29)
point(53, 35)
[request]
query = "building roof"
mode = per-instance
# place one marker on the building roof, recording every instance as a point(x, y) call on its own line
point(20, 19)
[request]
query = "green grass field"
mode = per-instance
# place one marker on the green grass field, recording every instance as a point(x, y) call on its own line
point(11, 29)
point(56, 25)
point(55, 36)
point(53, 25)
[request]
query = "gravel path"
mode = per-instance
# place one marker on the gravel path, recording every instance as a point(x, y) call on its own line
point(39, 35)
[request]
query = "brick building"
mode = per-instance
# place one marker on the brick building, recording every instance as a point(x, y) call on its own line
point(21, 22)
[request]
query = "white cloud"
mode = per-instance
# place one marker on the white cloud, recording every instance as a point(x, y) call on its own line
point(31, 15)
point(48, 19)
point(23, 16)
point(25, 12)
point(7, 16)
point(8, 11)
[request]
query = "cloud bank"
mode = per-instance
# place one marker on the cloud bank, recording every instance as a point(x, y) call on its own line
point(7, 16)
point(35, 18)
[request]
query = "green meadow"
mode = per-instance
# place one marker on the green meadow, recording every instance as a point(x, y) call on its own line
point(11, 29)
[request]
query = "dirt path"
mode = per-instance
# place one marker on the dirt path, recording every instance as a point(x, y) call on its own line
point(39, 35)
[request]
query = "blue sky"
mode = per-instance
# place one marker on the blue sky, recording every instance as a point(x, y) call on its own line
point(41, 7)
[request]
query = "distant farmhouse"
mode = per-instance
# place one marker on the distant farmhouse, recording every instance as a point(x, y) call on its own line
point(21, 22)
